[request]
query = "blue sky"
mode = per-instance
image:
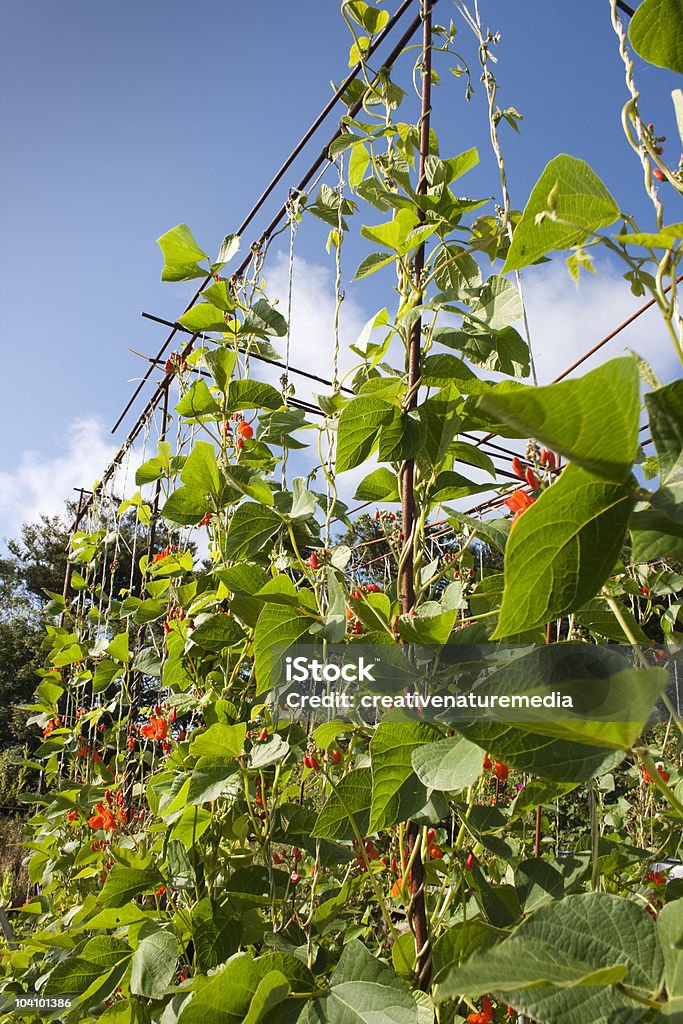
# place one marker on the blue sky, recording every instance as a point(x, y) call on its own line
point(119, 121)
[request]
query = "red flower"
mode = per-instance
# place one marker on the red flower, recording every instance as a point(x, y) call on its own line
point(485, 1015)
point(97, 821)
point(336, 756)
point(245, 430)
point(659, 175)
point(488, 763)
point(501, 771)
point(312, 561)
point(435, 852)
point(205, 520)
point(160, 891)
point(517, 467)
point(72, 816)
point(548, 459)
point(470, 862)
point(156, 729)
point(531, 478)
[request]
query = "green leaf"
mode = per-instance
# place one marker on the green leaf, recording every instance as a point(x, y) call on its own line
point(201, 469)
point(375, 261)
point(277, 629)
point(670, 931)
point(597, 616)
point(118, 648)
point(359, 425)
point(380, 485)
point(665, 409)
point(264, 321)
point(181, 254)
point(124, 883)
point(593, 421)
point(186, 506)
point(363, 990)
point(252, 394)
point(198, 403)
point(91, 969)
point(656, 34)
point(226, 996)
point(562, 964)
point(216, 934)
point(221, 363)
point(351, 797)
point(562, 550)
point(154, 963)
point(208, 784)
point(450, 764)
point(230, 246)
point(498, 304)
point(219, 740)
point(156, 467)
point(216, 632)
point(401, 234)
point(567, 204)
point(204, 317)
point(441, 423)
point(395, 794)
point(251, 527)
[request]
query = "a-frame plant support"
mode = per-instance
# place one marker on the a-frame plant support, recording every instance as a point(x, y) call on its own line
point(409, 520)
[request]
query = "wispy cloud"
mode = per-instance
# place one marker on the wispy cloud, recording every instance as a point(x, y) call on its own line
point(565, 322)
point(40, 484)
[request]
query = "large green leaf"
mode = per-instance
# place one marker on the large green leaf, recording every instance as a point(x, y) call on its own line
point(566, 204)
point(658, 532)
point(363, 990)
point(216, 632)
point(278, 628)
point(450, 764)
point(656, 33)
point(219, 740)
point(198, 403)
point(251, 527)
point(562, 550)
point(216, 933)
point(396, 794)
point(225, 998)
point(359, 424)
point(593, 420)
point(181, 254)
point(402, 233)
point(562, 965)
point(154, 963)
point(252, 394)
point(124, 883)
point(380, 485)
point(204, 317)
point(351, 797)
point(201, 470)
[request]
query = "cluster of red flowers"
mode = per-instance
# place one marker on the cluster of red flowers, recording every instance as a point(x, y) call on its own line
point(156, 728)
point(53, 724)
point(518, 502)
point(500, 770)
point(110, 813)
point(85, 751)
point(168, 550)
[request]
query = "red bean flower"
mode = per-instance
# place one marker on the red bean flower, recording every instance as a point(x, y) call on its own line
point(484, 1016)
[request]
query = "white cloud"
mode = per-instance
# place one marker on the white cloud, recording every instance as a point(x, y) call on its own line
point(40, 484)
point(312, 323)
point(565, 321)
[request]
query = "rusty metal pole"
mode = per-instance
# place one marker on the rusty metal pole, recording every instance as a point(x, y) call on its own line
point(135, 687)
point(407, 579)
